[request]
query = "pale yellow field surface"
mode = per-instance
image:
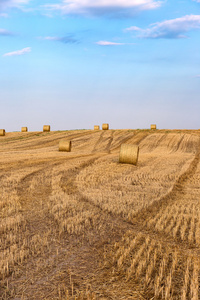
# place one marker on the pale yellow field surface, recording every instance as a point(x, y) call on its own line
point(80, 225)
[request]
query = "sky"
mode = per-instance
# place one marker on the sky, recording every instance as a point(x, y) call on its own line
point(74, 64)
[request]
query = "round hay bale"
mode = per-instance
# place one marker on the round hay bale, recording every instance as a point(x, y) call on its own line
point(96, 127)
point(129, 154)
point(24, 129)
point(2, 132)
point(65, 145)
point(46, 128)
point(153, 126)
point(105, 126)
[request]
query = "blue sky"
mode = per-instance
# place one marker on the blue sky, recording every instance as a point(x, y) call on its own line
point(76, 63)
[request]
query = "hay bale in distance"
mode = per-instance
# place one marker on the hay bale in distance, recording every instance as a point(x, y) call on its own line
point(24, 129)
point(2, 132)
point(153, 126)
point(129, 154)
point(96, 127)
point(46, 128)
point(65, 145)
point(105, 126)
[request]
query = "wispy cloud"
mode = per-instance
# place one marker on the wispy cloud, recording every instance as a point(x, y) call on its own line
point(65, 39)
point(5, 4)
point(133, 28)
point(100, 7)
point(107, 43)
point(5, 32)
point(18, 52)
point(172, 29)
point(3, 15)
point(197, 76)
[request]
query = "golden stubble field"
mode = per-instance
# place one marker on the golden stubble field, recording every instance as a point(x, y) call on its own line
point(80, 225)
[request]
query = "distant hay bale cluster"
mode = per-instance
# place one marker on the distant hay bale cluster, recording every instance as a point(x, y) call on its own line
point(129, 154)
point(2, 132)
point(105, 126)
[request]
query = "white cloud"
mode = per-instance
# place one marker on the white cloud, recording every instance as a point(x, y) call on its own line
point(175, 28)
point(103, 6)
point(197, 76)
point(133, 28)
point(65, 39)
point(51, 38)
point(18, 52)
point(106, 43)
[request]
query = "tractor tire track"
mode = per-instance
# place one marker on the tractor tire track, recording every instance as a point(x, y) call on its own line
point(137, 226)
point(32, 200)
point(109, 142)
point(158, 140)
point(26, 163)
point(121, 140)
point(53, 142)
point(38, 222)
point(98, 142)
point(67, 181)
point(40, 142)
point(138, 223)
point(127, 139)
point(179, 143)
point(173, 194)
point(103, 139)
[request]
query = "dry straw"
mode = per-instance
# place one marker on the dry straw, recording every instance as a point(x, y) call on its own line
point(46, 128)
point(65, 145)
point(105, 126)
point(153, 126)
point(2, 132)
point(24, 129)
point(129, 154)
point(96, 127)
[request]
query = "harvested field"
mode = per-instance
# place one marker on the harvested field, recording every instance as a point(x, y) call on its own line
point(80, 225)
